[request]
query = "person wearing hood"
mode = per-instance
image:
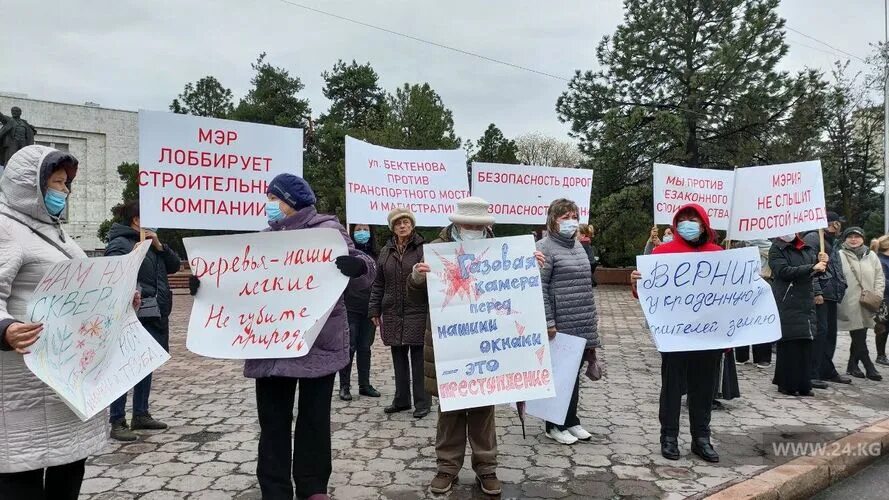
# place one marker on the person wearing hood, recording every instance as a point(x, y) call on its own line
point(694, 372)
point(361, 328)
point(154, 313)
point(796, 268)
point(568, 300)
point(43, 444)
point(402, 318)
point(864, 274)
point(304, 452)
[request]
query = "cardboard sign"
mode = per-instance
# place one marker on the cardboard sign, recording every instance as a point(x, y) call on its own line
point(93, 348)
point(488, 322)
point(776, 200)
point(521, 194)
point(677, 186)
point(707, 300)
point(378, 179)
point(263, 295)
point(207, 173)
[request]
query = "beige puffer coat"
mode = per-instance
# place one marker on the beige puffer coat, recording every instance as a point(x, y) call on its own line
point(850, 314)
point(37, 429)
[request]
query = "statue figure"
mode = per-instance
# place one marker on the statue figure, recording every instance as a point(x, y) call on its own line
point(15, 134)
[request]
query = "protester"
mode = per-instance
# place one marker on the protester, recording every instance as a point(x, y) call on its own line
point(864, 275)
point(795, 266)
point(585, 234)
point(654, 241)
point(291, 206)
point(402, 319)
point(762, 353)
point(832, 284)
point(154, 313)
point(44, 445)
point(882, 321)
point(694, 371)
point(568, 300)
point(471, 221)
point(361, 328)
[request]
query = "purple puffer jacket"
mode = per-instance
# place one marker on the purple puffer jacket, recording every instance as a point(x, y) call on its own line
point(330, 353)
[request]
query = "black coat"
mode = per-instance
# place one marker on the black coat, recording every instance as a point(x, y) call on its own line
point(794, 287)
point(357, 299)
point(833, 282)
point(157, 265)
point(593, 254)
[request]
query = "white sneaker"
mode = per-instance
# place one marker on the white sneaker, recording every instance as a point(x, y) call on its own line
point(563, 437)
point(580, 433)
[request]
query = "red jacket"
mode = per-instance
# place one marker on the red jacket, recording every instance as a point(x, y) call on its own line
point(679, 245)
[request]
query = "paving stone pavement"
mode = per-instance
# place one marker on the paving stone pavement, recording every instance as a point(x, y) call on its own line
point(209, 452)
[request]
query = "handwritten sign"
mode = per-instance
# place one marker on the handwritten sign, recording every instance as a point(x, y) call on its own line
point(93, 348)
point(566, 352)
point(707, 300)
point(521, 194)
point(207, 173)
point(775, 200)
point(263, 295)
point(378, 179)
point(677, 186)
point(488, 323)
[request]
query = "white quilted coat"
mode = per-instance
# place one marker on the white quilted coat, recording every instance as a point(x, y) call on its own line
point(37, 429)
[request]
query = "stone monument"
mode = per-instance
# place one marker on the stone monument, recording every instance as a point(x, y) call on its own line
point(15, 134)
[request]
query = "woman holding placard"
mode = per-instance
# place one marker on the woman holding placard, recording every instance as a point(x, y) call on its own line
point(568, 299)
point(864, 276)
point(400, 318)
point(43, 444)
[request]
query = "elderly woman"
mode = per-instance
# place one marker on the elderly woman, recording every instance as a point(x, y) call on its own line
point(43, 444)
point(402, 318)
point(568, 299)
point(863, 274)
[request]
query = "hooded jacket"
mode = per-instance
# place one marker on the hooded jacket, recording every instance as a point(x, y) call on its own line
point(37, 429)
point(330, 352)
point(795, 286)
point(679, 245)
point(157, 265)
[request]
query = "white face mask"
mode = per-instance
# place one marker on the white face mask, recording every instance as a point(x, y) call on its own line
point(471, 234)
point(787, 237)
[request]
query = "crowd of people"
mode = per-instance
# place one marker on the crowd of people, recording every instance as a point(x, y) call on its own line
point(818, 292)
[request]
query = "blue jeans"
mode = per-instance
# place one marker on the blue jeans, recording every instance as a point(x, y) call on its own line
point(159, 328)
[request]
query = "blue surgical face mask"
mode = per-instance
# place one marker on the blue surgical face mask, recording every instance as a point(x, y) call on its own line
point(55, 201)
point(567, 228)
point(273, 211)
point(689, 230)
point(667, 238)
point(362, 236)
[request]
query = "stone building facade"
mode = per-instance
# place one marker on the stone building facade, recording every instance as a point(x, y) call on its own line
point(101, 139)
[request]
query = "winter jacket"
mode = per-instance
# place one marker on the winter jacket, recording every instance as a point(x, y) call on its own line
point(568, 297)
point(157, 265)
point(593, 254)
point(795, 286)
point(37, 429)
point(884, 262)
point(403, 319)
point(330, 352)
point(358, 298)
point(679, 245)
point(833, 281)
point(850, 314)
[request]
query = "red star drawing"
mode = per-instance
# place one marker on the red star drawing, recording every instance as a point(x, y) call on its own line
point(457, 285)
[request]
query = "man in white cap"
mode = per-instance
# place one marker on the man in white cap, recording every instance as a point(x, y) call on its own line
point(471, 221)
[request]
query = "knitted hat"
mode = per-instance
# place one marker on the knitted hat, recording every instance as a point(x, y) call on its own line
point(292, 190)
point(472, 211)
point(853, 230)
point(400, 213)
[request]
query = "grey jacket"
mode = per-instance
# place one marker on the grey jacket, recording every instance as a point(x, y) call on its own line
point(568, 289)
point(37, 429)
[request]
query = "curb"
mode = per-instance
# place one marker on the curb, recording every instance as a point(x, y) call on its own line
point(803, 477)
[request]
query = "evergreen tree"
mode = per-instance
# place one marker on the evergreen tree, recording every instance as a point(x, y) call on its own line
point(206, 97)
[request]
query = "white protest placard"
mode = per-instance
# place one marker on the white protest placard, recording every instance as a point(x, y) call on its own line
point(566, 352)
point(707, 300)
point(208, 173)
point(488, 322)
point(521, 194)
point(378, 179)
point(93, 348)
point(776, 200)
point(263, 295)
point(677, 186)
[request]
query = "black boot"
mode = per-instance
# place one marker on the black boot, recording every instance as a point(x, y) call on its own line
point(345, 393)
point(702, 448)
point(368, 390)
point(670, 448)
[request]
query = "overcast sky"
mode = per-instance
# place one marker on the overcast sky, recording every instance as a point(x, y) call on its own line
point(139, 54)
